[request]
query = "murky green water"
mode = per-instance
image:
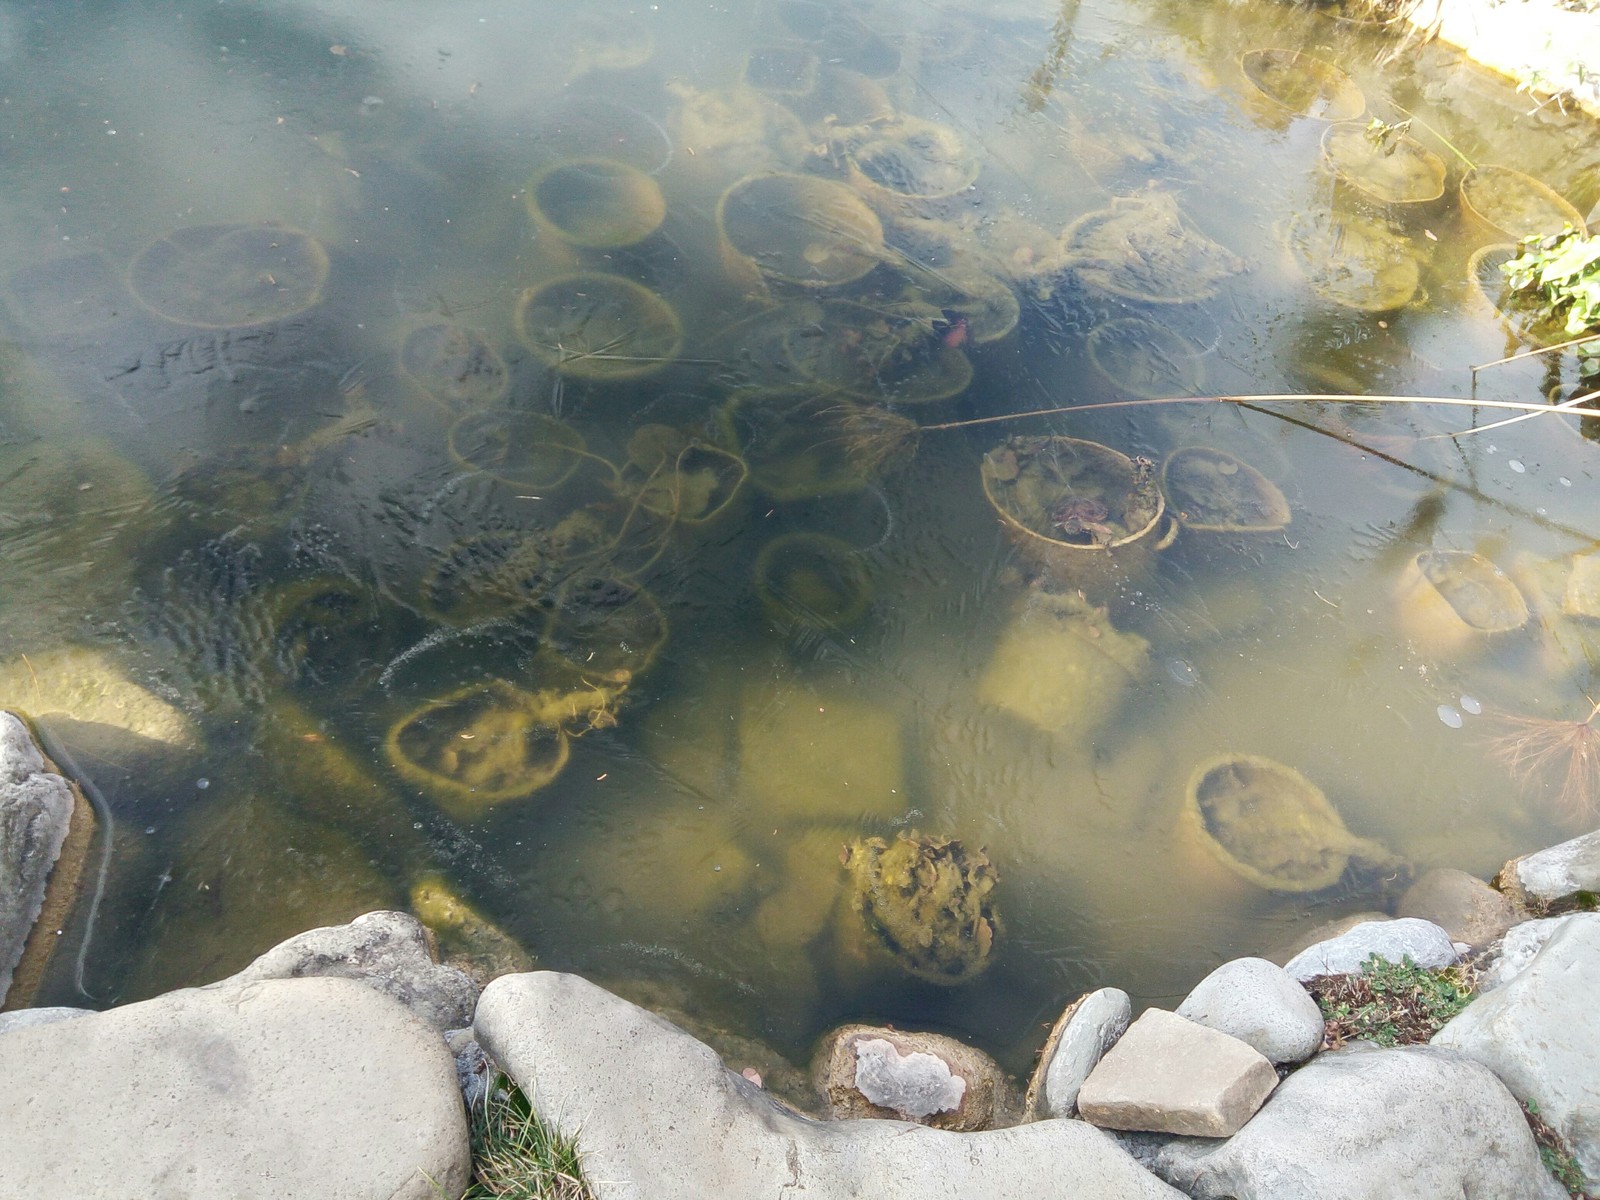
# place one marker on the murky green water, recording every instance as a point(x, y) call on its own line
point(310, 433)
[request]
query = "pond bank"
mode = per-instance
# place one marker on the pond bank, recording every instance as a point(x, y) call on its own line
point(336, 1064)
point(1548, 47)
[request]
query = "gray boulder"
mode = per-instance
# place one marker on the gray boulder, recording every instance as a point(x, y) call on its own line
point(869, 1071)
point(1085, 1031)
point(1362, 1123)
point(1463, 905)
point(36, 814)
point(1556, 873)
point(1540, 1033)
point(1423, 942)
point(1257, 1002)
point(282, 1090)
point(389, 951)
point(29, 1018)
point(658, 1117)
point(1509, 957)
point(1169, 1075)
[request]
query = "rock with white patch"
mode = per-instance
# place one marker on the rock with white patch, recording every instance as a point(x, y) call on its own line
point(869, 1071)
point(38, 812)
point(659, 1117)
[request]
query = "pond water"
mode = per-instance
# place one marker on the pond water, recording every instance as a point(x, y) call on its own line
point(467, 456)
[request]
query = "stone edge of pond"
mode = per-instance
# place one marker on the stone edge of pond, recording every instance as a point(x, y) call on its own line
point(1541, 45)
point(1239, 1091)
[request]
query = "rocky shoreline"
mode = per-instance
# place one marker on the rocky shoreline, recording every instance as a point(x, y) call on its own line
point(341, 1063)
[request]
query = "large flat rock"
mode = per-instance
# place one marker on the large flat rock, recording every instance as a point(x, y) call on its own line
point(1169, 1075)
point(1368, 1124)
point(1540, 1033)
point(658, 1117)
point(280, 1090)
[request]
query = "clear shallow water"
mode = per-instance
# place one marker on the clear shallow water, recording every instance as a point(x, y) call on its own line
point(176, 496)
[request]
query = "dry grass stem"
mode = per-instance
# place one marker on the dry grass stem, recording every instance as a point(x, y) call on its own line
point(1534, 748)
point(1534, 353)
point(874, 437)
point(516, 1155)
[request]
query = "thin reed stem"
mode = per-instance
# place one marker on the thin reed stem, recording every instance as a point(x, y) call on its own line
point(1500, 362)
point(1274, 398)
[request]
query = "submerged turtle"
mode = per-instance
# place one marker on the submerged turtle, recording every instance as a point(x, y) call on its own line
point(1085, 515)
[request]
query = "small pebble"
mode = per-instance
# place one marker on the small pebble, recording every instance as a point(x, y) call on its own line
point(1450, 716)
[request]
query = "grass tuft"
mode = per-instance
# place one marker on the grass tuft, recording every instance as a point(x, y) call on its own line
point(1553, 1152)
point(1388, 1003)
point(516, 1156)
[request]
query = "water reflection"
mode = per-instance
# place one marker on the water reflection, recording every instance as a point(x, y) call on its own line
point(527, 448)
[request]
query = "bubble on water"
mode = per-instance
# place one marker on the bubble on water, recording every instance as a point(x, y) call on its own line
point(202, 783)
point(1471, 705)
point(1183, 671)
point(149, 828)
point(1564, 481)
point(1450, 716)
point(1516, 466)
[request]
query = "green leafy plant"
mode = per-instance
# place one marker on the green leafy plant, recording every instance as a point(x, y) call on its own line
point(1553, 1152)
point(516, 1155)
point(1392, 1004)
point(1563, 271)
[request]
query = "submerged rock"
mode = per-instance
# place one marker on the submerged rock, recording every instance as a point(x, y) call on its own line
point(1465, 907)
point(387, 951)
point(868, 1071)
point(926, 903)
point(660, 1118)
point(1368, 1124)
point(266, 1091)
point(39, 867)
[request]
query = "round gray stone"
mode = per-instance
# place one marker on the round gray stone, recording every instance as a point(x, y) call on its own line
point(1260, 1004)
point(1423, 942)
point(1085, 1031)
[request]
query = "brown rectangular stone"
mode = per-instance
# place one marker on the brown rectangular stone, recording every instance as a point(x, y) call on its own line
point(1170, 1075)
